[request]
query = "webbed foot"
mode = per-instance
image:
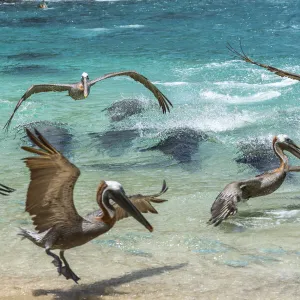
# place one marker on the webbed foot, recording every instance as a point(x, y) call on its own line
point(58, 265)
point(69, 274)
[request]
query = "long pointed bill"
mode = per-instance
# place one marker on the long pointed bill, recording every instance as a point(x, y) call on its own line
point(85, 87)
point(126, 204)
point(294, 149)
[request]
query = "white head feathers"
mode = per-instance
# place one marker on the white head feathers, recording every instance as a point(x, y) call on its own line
point(282, 138)
point(114, 185)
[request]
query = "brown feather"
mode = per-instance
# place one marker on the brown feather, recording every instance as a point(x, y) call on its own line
point(38, 88)
point(164, 102)
point(142, 203)
point(50, 193)
point(278, 72)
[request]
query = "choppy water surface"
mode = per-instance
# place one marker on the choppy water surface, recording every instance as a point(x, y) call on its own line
point(222, 108)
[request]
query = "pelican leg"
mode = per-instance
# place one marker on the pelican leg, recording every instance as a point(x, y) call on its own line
point(57, 262)
point(66, 270)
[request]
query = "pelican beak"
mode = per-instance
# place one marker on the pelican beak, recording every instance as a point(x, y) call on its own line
point(85, 87)
point(121, 199)
point(292, 148)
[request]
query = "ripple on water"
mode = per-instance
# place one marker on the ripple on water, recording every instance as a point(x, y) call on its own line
point(236, 263)
point(207, 246)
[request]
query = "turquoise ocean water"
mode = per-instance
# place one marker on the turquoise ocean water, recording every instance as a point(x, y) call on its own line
point(181, 47)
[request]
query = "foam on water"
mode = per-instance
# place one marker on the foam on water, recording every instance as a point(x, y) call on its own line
point(257, 97)
point(283, 214)
point(99, 29)
point(245, 85)
point(110, 0)
point(171, 83)
point(131, 26)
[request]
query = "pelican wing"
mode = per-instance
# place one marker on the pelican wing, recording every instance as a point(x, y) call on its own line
point(224, 206)
point(5, 190)
point(142, 203)
point(50, 193)
point(162, 99)
point(38, 88)
point(278, 72)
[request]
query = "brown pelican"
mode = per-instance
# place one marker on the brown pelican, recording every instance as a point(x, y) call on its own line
point(43, 5)
point(81, 89)
point(226, 202)
point(278, 72)
point(5, 190)
point(50, 203)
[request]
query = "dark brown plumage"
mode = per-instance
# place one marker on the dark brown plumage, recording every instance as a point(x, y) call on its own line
point(142, 203)
point(246, 58)
point(50, 192)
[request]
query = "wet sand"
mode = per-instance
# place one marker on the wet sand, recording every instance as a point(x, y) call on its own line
point(205, 282)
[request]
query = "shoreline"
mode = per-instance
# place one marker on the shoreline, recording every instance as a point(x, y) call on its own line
point(159, 283)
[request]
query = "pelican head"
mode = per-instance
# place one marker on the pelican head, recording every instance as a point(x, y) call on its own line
point(117, 194)
point(285, 143)
point(84, 78)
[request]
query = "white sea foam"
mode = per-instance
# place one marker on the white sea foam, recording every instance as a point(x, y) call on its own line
point(174, 83)
point(131, 26)
point(200, 68)
point(257, 97)
point(221, 122)
point(97, 29)
point(224, 64)
point(216, 118)
point(109, 0)
point(4, 101)
point(279, 84)
point(284, 213)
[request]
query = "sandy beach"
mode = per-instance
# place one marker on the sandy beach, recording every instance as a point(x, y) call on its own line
point(120, 288)
point(177, 281)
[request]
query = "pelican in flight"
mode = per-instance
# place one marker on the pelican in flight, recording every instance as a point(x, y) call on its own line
point(246, 58)
point(226, 202)
point(50, 204)
point(81, 89)
point(5, 190)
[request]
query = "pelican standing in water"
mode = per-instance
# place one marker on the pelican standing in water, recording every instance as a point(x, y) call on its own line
point(43, 5)
point(81, 89)
point(246, 58)
point(5, 190)
point(50, 203)
point(226, 202)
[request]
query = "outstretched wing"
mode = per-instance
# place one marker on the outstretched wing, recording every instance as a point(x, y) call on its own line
point(38, 88)
point(224, 206)
point(5, 190)
point(50, 192)
point(278, 72)
point(142, 203)
point(162, 99)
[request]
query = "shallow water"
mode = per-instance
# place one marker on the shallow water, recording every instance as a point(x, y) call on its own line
point(181, 47)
